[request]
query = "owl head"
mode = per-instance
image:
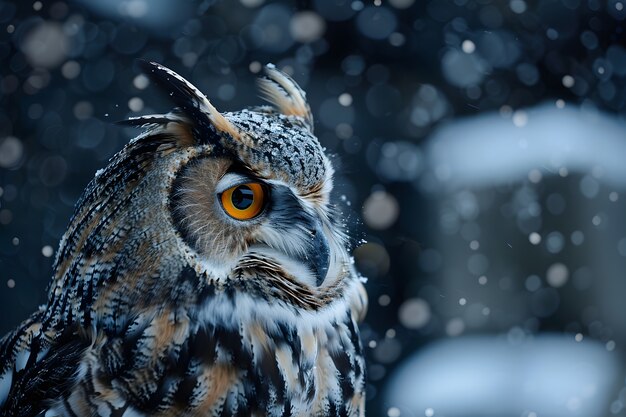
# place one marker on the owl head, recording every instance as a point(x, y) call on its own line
point(239, 199)
point(263, 187)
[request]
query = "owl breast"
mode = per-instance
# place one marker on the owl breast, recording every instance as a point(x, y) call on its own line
point(232, 356)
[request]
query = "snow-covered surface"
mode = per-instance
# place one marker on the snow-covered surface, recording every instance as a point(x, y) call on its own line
point(549, 375)
point(491, 149)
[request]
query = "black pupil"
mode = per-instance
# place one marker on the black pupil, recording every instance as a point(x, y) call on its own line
point(242, 197)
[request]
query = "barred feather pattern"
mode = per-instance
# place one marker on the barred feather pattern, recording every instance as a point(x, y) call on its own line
point(139, 323)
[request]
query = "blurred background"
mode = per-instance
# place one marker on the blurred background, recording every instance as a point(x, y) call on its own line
point(481, 155)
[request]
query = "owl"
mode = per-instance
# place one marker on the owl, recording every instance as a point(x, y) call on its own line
point(204, 272)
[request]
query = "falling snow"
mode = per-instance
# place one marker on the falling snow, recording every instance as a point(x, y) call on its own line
point(479, 150)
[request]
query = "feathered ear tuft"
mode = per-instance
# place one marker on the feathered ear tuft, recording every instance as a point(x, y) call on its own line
point(189, 100)
point(282, 91)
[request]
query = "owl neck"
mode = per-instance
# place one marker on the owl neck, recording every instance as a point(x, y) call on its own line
point(112, 254)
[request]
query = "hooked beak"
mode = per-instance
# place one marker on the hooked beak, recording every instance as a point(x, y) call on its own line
point(317, 257)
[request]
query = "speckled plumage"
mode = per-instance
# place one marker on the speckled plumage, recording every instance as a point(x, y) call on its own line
point(160, 305)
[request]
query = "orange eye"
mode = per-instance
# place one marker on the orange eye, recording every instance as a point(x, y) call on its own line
point(245, 201)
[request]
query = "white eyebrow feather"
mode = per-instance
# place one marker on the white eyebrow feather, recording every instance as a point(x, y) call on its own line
point(229, 180)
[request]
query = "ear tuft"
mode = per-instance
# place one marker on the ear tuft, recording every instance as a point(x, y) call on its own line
point(189, 99)
point(281, 90)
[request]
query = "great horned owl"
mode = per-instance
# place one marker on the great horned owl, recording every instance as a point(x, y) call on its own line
point(204, 273)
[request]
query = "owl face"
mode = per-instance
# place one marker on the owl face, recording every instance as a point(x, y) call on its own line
point(261, 203)
point(260, 193)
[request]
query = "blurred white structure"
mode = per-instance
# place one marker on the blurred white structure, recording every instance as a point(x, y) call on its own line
point(545, 376)
point(536, 190)
point(529, 231)
point(491, 149)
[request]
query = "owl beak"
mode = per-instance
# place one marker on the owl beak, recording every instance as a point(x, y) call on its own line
point(317, 258)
